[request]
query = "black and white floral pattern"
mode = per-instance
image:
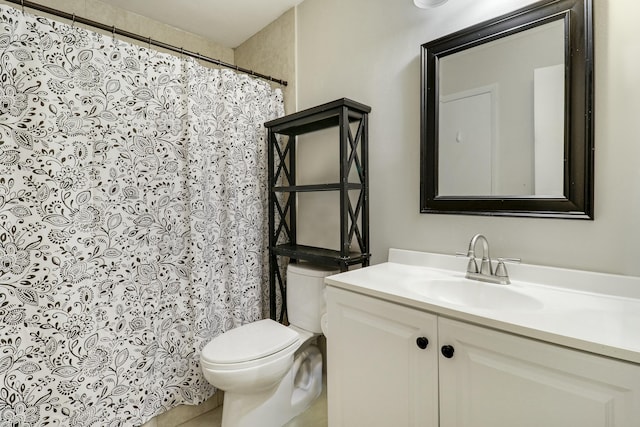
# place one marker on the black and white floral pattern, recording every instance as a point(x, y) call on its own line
point(132, 222)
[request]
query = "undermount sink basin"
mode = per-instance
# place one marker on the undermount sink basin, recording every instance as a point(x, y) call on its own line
point(472, 293)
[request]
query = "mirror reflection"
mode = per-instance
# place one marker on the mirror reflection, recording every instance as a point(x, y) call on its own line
point(501, 116)
point(507, 115)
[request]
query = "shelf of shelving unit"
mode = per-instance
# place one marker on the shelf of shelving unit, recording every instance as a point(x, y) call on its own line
point(316, 187)
point(354, 217)
point(319, 255)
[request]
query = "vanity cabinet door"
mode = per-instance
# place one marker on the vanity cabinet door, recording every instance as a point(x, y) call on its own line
point(379, 374)
point(498, 379)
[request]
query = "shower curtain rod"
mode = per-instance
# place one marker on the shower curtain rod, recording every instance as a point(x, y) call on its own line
point(148, 40)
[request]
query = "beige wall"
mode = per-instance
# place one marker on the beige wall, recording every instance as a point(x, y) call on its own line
point(106, 14)
point(368, 50)
point(272, 51)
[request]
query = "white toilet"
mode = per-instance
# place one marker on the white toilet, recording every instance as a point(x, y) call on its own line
point(270, 373)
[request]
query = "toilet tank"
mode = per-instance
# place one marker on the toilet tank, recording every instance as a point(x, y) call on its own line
point(305, 295)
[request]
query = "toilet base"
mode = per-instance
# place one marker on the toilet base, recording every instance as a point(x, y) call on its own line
point(275, 407)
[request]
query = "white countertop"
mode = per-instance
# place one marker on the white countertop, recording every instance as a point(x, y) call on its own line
point(594, 312)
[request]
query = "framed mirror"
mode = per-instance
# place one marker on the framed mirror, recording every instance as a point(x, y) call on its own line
point(507, 115)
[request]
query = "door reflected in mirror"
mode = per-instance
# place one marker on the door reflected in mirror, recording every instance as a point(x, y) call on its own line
point(501, 116)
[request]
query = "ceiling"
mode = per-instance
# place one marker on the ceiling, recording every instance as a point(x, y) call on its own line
point(228, 22)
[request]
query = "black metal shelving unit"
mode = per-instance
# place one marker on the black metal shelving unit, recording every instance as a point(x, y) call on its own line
point(351, 118)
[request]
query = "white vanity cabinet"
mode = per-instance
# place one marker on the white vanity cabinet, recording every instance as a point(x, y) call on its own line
point(379, 377)
point(377, 372)
point(499, 379)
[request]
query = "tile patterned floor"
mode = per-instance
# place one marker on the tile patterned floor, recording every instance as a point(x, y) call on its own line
point(315, 416)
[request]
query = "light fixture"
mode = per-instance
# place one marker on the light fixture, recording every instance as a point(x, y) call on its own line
point(426, 4)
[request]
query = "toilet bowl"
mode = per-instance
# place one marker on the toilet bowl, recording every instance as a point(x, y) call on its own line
point(269, 372)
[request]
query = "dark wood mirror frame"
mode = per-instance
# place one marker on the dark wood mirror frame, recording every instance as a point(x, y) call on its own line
point(578, 139)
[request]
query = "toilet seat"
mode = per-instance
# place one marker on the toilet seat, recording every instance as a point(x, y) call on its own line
point(250, 345)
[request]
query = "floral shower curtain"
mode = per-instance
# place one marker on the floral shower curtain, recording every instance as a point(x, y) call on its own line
point(132, 222)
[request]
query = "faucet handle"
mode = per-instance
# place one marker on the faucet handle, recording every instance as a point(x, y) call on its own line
point(501, 269)
point(472, 266)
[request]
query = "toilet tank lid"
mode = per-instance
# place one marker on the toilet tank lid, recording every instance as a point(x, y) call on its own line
point(308, 269)
point(249, 342)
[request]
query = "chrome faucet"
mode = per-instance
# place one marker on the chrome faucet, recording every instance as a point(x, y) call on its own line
point(485, 264)
point(485, 272)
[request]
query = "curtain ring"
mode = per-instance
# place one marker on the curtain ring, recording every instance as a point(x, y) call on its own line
point(22, 4)
point(113, 31)
point(73, 20)
point(149, 42)
point(181, 53)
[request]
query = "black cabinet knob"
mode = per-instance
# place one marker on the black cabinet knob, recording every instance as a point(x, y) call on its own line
point(422, 342)
point(447, 351)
